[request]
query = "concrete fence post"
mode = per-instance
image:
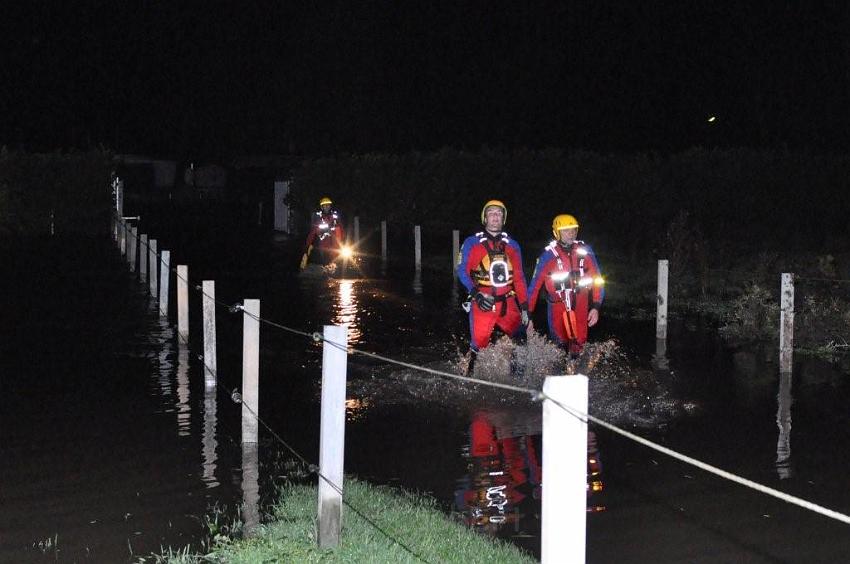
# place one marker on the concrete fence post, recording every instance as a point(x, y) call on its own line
point(183, 302)
point(250, 369)
point(661, 316)
point(786, 324)
point(384, 241)
point(164, 277)
point(455, 247)
point(417, 247)
point(143, 258)
point(122, 236)
point(332, 434)
point(564, 505)
point(134, 245)
point(125, 249)
point(210, 361)
point(153, 263)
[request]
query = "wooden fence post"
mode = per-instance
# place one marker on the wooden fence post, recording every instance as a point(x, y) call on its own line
point(661, 316)
point(356, 230)
point(250, 369)
point(164, 276)
point(417, 247)
point(384, 241)
point(332, 434)
point(183, 302)
point(154, 265)
point(564, 505)
point(210, 361)
point(143, 258)
point(134, 245)
point(455, 248)
point(786, 323)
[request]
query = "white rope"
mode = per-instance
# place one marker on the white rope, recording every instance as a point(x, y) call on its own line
point(536, 394)
point(826, 512)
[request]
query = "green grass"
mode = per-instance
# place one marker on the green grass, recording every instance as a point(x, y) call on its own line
point(380, 524)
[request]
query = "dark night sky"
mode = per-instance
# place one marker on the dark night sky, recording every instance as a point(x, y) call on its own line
point(319, 78)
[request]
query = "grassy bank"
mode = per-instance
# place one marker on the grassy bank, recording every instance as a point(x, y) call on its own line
point(379, 525)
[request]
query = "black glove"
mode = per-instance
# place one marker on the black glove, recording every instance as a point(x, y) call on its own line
point(485, 301)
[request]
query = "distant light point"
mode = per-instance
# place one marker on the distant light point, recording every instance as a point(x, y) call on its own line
point(711, 119)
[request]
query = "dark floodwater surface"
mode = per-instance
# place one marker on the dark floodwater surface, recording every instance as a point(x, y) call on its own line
point(112, 448)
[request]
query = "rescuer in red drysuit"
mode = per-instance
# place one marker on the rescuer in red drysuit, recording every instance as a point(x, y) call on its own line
point(570, 273)
point(490, 268)
point(326, 234)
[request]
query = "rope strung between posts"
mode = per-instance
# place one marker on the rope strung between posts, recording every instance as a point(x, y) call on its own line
point(537, 395)
point(236, 398)
point(826, 512)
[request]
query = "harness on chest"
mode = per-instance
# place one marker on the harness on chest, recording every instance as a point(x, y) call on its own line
point(325, 225)
point(495, 269)
point(568, 279)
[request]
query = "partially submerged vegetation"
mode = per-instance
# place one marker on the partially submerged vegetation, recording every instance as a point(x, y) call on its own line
point(380, 524)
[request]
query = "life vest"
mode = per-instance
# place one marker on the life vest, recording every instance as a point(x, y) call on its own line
point(495, 269)
point(325, 225)
point(568, 279)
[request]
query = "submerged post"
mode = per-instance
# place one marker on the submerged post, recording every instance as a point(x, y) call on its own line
point(332, 434)
point(455, 247)
point(210, 362)
point(164, 275)
point(417, 247)
point(356, 229)
point(154, 265)
point(384, 241)
point(183, 302)
point(250, 369)
point(143, 257)
point(661, 315)
point(786, 324)
point(564, 505)
point(134, 244)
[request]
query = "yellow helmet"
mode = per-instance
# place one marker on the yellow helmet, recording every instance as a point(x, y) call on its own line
point(497, 203)
point(563, 221)
point(324, 201)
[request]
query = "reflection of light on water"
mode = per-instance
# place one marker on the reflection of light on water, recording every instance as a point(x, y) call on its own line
point(346, 312)
point(356, 409)
point(184, 410)
point(209, 442)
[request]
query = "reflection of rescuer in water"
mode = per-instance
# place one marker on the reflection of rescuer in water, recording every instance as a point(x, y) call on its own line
point(570, 274)
point(490, 267)
point(326, 234)
point(503, 473)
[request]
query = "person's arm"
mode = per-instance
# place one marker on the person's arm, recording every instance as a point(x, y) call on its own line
point(541, 270)
point(463, 264)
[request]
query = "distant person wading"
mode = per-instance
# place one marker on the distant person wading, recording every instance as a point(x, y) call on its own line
point(325, 237)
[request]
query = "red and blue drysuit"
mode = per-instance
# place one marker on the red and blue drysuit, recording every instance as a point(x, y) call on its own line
point(573, 283)
point(492, 264)
point(326, 235)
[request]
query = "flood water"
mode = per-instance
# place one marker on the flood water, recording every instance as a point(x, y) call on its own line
point(112, 447)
